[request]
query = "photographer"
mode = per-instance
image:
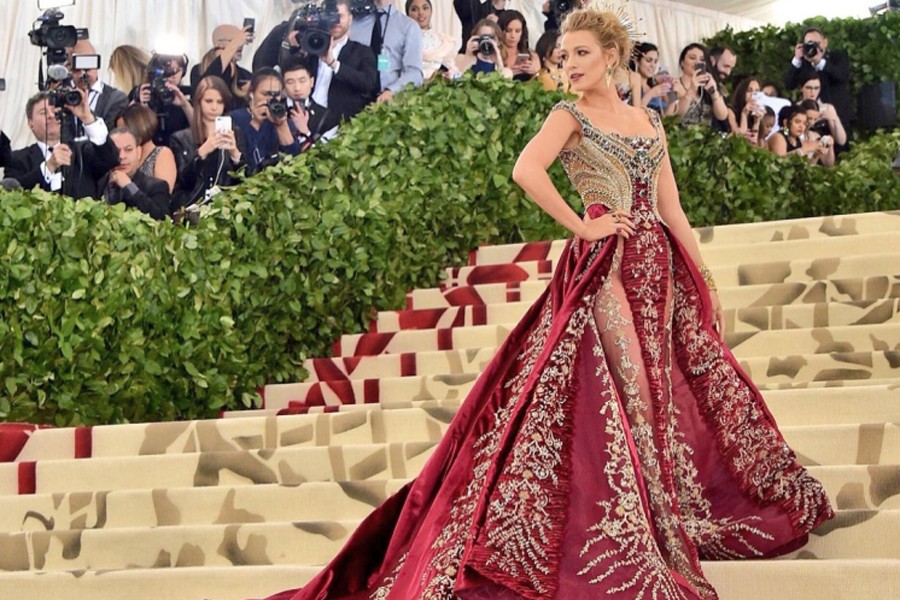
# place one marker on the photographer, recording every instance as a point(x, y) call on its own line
point(305, 114)
point(747, 110)
point(471, 12)
point(811, 55)
point(222, 62)
point(125, 183)
point(210, 149)
point(699, 100)
point(396, 41)
point(106, 102)
point(163, 93)
point(264, 124)
point(71, 169)
point(811, 89)
point(483, 51)
point(346, 75)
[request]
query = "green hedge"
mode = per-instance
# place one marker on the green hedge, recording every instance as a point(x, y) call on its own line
point(870, 43)
point(106, 316)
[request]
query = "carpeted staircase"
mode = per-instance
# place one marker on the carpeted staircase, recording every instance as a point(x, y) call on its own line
point(250, 504)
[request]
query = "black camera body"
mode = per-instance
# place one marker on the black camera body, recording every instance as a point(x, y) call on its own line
point(277, 108)
point(486, 45)
point(160, 95)
point(64, 97)
point(313, 26)
point(50, 34)
point(810, 49)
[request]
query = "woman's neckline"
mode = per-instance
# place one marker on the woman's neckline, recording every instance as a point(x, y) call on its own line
point(616, 133)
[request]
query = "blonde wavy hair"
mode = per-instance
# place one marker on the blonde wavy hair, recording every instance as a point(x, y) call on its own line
point(129, 66)
point(606, 28)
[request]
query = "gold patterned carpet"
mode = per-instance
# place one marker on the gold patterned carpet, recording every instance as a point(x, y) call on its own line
point(249, 504)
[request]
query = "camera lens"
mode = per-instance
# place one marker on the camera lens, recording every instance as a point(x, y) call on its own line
point(316, 42)
point(810, 49)
point(72, 98)
point(277, 109)
point(485, 46)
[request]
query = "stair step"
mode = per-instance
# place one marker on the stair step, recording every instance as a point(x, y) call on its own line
point(834, 289)
point(822, 230)
point(714, 255)
point(850, 487)
point(392, 420)
point(796, 371)
point(754, 318)
point(736, 580)
point(862, 444)
point(797, 270)
point(851, 535)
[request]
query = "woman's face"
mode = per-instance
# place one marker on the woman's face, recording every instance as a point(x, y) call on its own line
point(420, 12)
point(766, 125)
point(693, 56)
point(751, 89)
point(512, 34)
point(585, 62)
point(648, 64)
point(211, 105)
point(811, 89)
point(770, 91)
point(797, 125)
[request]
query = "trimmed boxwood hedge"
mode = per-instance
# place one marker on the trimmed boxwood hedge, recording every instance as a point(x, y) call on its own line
point(107, 316)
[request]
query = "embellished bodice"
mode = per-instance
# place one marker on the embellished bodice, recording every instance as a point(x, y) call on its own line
point(612, 169)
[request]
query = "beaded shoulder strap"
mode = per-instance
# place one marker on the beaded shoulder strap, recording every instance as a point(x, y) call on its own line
point(570, 108)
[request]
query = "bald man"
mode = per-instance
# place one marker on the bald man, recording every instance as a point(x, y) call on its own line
point(228, 43)
point(106, 101)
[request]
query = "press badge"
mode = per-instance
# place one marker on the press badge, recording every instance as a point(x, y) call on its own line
point(383, 64)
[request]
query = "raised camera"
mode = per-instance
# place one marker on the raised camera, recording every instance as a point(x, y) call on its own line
point(64, 97)
point(277, 108)
point(486, 45)
point(810, 49)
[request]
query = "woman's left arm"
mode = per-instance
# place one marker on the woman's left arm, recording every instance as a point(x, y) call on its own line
point(669, 204)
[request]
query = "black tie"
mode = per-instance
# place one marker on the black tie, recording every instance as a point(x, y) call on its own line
point(377, 36)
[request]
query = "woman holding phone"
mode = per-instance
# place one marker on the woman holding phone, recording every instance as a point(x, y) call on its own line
point(210, 148)
point(699, 99)
point(521, 60)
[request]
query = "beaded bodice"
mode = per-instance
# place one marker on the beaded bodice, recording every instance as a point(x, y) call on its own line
point(612, 169)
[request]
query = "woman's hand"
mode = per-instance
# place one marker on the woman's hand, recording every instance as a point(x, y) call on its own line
point(144, 94)
point(810, 146)
point(718, 314)
point(617, 222)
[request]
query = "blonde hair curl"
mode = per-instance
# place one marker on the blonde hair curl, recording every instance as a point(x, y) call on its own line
point(606, 28)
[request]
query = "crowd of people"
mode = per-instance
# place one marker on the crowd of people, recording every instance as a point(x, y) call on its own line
point(166, 137)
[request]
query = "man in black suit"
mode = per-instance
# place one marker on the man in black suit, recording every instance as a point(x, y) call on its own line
point(833, 66)
point(305, 114)
point(71, 169)
point(106, 101)
point(125, 183)
point(346, 77)
point(5, 151)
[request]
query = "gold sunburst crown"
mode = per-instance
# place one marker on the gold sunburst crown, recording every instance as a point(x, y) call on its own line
point(620, 10)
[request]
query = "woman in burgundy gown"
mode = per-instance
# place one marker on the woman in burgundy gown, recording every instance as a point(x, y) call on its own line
point(614, 441)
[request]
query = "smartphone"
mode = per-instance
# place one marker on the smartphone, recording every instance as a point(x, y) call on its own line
point(522, 59)
point(700, 67)
point(223, 124)
point(250, 26)
point(85, 62)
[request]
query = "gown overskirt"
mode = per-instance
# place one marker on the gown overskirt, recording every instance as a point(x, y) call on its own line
point(611, 444)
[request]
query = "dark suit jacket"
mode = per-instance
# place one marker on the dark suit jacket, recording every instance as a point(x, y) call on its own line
point(353, 87)
point(6, 151)
point(316, 114)
point(89, 164)
point(152, 196)
point(110, 104)
point(195, 174)
point(835, 82)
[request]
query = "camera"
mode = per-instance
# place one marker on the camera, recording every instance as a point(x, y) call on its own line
point(313, 26)
point(49, 34)
point(64, 97)
point(820, 127)
point(810, 49)
point(160, 95)
point(486, 45)
point(277, 108)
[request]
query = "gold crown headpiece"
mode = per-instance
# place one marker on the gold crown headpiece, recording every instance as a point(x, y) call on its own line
point(618, 8)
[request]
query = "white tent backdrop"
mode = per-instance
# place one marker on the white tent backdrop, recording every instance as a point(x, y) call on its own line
point(668, 24)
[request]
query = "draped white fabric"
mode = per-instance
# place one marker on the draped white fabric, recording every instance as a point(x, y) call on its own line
point(670, 25)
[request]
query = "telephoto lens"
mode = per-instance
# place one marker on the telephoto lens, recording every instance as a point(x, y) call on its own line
point(810, 49)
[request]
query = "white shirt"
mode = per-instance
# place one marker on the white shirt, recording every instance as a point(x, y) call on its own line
point(97, 132)
point(326, 73)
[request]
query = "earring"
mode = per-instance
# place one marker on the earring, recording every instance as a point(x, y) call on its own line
point(609, 76)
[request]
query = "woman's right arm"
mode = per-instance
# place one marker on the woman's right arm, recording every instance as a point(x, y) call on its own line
point(559, 131)
point(166, 168)
point(778, 145)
